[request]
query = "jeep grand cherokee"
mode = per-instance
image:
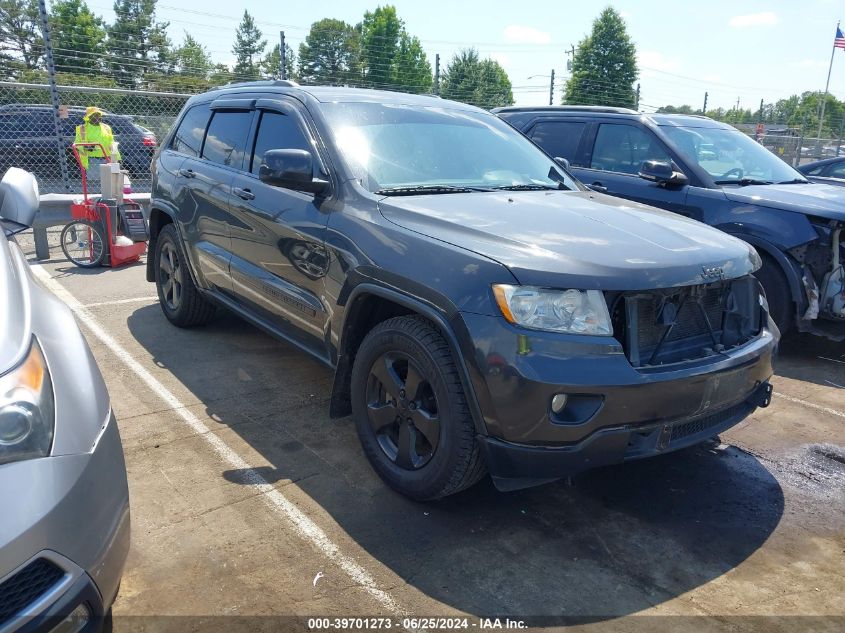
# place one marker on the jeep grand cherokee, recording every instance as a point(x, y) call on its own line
point(480, 308)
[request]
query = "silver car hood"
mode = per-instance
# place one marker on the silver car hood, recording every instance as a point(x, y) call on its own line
point(15, 326)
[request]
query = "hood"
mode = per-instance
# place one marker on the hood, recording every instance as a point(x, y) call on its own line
point(14, 311)
point(575, 239)
point(824, 201)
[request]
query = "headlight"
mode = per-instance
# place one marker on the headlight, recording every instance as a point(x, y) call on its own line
point(27, 414)
point(571, 311)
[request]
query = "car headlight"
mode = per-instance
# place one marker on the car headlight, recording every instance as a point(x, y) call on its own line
point(27, 412)
point(571, 311)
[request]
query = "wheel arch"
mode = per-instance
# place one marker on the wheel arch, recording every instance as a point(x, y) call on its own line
point(790, 270)
point(159, 218)
point(370, 304)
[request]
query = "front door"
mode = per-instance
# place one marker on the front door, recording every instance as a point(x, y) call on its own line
point(618, 152)
point(279, 259)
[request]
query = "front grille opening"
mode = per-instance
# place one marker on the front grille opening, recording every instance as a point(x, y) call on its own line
point(675, 325)
point(27, 586)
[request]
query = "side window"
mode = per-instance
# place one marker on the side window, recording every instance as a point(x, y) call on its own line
point(188, 137)
point(559, 138)
point(225, 142)
point(623, 148)
point(277, 131)
point(836, 171)
point(816, 170)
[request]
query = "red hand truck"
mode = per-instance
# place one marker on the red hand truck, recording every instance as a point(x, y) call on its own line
point(103, 232)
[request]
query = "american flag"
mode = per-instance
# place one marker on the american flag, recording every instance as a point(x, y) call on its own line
point(839, 41)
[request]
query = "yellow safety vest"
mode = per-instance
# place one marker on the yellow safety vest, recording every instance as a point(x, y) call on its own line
point(88, 133)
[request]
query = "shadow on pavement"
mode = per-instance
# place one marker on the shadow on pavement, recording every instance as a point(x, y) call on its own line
point(812, 359)
point(617, 541)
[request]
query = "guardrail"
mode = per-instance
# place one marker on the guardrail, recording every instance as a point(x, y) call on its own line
point(54, 210)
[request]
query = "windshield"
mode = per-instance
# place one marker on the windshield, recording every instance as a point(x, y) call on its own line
point(392, 148)
point(730, 156)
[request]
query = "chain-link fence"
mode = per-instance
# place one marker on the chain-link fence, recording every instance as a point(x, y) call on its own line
point(28, 137)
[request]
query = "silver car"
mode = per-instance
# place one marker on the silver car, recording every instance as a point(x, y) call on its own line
point(64, 529)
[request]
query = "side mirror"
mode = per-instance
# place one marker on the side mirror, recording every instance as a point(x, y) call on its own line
point(661, 173)
point(19, 199)
point(291, 169)
point(562, 162)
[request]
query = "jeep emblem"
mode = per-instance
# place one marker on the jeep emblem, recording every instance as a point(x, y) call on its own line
point(712, 272)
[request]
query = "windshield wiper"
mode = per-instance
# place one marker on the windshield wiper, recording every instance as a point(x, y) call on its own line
point(413, 190)
point(794, 181)
point(531, 187)
point(742, 182)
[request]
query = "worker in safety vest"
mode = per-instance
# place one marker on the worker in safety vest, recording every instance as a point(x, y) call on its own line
point(93, 130)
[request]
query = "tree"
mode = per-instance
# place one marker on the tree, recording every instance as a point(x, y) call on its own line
point(137, 43)
point(604, 67)
point(380, 33)
point(483, 83)
point(670, 109)
point(330, 54)
point(192, 59)
point(390, 57)
point(248, 48)
point(411, 71)
point(78, 37)
point(272, 62)
point(20, 33)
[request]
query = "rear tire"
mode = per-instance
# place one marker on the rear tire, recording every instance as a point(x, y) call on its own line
point(432, 421)
point(180, 300)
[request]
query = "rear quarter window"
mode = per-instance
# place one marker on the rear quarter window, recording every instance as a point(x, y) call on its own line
point(188, 137)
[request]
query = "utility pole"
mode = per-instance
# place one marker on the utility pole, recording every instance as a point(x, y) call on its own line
point(704, 109)
point(54, 92)
point(760, 118)
point(437, 74)
point(282, 72)
point(552, 89)
point(637, 103)
point(737, 104)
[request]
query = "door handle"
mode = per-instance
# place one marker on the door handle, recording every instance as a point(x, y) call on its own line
point(243, 194)
point(597, 186)
point(187, 173)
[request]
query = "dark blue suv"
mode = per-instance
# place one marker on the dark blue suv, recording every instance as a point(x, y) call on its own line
point(711, 172)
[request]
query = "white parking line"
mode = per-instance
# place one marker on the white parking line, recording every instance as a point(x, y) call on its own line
point(149, 299)
point(304, 526)
point(811, 405)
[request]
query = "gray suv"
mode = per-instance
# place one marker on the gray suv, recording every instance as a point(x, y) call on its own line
point(64, 535)
point(481, 309)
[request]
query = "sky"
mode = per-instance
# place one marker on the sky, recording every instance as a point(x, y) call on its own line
point(738, 50)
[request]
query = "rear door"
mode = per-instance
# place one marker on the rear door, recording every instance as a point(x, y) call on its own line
point(560, 138)
point(204, 189)
point(614, 156)
point(279, 259)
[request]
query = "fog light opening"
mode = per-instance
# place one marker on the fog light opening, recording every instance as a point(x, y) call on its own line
point(559, 402)
point(77, 620)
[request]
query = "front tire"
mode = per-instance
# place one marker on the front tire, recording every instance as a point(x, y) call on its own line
point(411, 412)
point(180, 300)
point(781, 306)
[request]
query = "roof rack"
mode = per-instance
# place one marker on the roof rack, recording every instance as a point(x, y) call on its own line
point(564, 108)
point(279, 83)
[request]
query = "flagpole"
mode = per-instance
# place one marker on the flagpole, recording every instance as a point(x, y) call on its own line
point(826, 86)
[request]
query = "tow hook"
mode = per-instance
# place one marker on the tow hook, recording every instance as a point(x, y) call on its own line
point(762, 396)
